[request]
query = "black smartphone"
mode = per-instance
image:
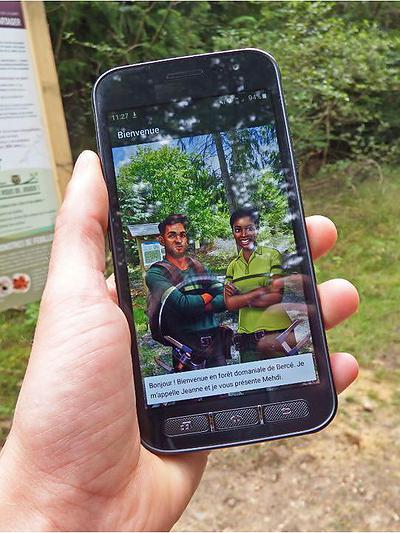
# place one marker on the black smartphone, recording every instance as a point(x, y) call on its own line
point(210, 251)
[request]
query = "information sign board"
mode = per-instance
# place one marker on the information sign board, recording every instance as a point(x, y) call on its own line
point(29, 189)
point(151, 252)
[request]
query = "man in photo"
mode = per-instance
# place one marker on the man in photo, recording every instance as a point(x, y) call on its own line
point(183, 301)
point(253, 288)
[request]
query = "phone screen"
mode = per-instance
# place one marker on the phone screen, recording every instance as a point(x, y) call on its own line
point(215, 273)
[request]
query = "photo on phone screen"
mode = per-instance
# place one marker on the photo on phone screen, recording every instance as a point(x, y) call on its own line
point(214, 272)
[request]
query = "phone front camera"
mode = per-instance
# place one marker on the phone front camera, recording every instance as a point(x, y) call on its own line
point(236, 66)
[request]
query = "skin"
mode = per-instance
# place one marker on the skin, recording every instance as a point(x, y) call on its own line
point(176, 244)
point(245, 232)
point(73, 459)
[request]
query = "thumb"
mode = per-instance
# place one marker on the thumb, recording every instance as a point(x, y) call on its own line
point(77, 258)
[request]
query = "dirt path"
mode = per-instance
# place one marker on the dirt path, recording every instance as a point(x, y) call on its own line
point(344, 478)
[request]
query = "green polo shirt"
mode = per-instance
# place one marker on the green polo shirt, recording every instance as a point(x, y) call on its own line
point(250, 275)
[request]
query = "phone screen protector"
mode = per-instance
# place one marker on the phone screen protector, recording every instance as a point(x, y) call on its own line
point(215, 273)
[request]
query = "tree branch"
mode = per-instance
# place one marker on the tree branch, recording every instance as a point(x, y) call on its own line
point(164, 20)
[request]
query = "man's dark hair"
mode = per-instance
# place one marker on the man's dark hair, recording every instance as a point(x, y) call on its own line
point(245, 212)
point(175, 218)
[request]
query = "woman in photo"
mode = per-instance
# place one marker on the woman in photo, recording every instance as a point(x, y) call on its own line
point(254, 288)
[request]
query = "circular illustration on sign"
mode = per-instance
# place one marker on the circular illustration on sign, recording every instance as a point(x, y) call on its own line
point(6, 286)
point(21, 283)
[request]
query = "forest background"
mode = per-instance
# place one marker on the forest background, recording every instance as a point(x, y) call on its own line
point(340, 69)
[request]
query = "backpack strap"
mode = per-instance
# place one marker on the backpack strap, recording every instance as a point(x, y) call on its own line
point(196, 265)
point(173, 271)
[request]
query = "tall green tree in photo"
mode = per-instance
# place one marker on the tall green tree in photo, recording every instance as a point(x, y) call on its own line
point(157, 183)
point(225, 175)
point(250, 172)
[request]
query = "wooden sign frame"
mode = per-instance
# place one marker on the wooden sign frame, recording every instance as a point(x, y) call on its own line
point(47, 80)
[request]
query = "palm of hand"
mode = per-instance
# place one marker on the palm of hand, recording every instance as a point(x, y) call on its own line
point(75, 424)
point(73, 459)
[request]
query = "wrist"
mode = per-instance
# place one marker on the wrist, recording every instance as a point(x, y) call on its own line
point(18, 509)
point(16, 516)
point(206, 297)
point(33, 500)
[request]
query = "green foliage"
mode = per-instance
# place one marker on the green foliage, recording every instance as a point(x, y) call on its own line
point(341, 78)
point(31, 314)
point(90, 37)
point(339, 60)
point(272, 205)
point(157, 183)
point(368, 255)
point(139, 315)
point(16, 333)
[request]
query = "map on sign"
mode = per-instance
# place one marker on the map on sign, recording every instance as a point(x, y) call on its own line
point(152, 252)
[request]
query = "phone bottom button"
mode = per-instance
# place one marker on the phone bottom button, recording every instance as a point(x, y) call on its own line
point(277, 412)
point(184, 425)
point(236, 418)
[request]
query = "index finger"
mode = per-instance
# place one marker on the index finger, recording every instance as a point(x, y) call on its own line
point(322, 235)
point(78, 251)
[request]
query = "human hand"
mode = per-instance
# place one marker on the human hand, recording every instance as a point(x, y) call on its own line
point(73, 459)
point(265, 296)
point(230, 289)
point(263, 301)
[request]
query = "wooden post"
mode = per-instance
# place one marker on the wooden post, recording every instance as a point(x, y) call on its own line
point(141, 258)
point(46, 74)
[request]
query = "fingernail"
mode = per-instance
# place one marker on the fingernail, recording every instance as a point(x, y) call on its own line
point(83, 160)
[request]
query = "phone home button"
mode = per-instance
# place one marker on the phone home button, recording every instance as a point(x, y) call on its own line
point(185, 425)
point(278, 412)
point(236, 418)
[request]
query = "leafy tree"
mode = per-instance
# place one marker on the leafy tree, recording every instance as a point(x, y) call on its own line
point(250, 151)
point(339, 60)
point(272, 203)
point(90, 37)
point(341, 77)
point(157, 183)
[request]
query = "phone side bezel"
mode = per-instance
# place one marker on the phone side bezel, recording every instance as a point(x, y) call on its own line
point(147, 417)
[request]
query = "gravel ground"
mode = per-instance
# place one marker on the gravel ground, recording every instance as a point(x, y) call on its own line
point(345, 478)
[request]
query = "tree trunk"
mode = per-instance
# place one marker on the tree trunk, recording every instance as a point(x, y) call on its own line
point(223, 165)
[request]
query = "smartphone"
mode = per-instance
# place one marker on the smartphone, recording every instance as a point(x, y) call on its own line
point(210, 251)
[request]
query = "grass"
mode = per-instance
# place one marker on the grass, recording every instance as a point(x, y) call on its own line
point(16, 333)
point(139, 314)
point(367, 253)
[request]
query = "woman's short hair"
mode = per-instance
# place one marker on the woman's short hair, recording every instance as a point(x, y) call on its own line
point(250, 212)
